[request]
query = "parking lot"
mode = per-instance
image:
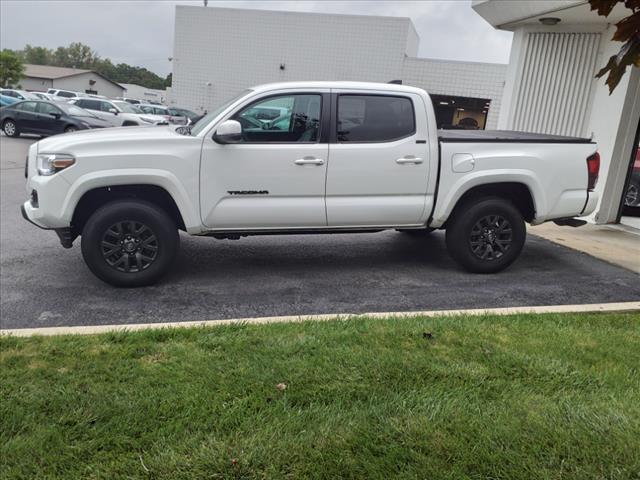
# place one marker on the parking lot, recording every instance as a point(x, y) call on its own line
point(43, 284)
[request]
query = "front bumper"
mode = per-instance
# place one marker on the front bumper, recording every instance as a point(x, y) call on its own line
point(25, 215)
point(65, 234)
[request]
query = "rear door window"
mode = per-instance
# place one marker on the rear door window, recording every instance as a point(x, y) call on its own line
point(374, 118)
point(47, 108)
point(27, 106)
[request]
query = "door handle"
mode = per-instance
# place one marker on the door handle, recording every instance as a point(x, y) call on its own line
point(309, 161)
point(404, 160)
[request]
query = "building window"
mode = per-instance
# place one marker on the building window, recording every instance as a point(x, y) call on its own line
point(462, 113)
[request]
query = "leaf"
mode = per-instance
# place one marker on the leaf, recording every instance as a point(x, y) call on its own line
point(603, 7)
point(627, 28)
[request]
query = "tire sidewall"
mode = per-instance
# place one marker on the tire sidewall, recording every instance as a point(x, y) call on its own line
point(157, 220)
point(459, 231)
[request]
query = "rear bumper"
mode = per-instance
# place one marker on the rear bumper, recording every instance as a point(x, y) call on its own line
point(590, 205)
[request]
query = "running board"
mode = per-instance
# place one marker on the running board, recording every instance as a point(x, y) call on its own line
point(569, 222)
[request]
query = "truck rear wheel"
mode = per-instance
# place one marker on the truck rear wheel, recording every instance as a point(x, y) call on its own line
point(129, 243)
point(486, 236)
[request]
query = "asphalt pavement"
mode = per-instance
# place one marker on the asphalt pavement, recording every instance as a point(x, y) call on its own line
point(42, 284)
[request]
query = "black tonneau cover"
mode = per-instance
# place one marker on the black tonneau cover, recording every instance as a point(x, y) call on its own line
point(504, 136)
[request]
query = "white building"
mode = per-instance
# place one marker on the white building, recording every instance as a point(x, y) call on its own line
point(42, 77)
point(220, 51)
point(558, 47)
point(141, 93)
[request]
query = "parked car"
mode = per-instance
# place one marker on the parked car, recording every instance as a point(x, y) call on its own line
point(42, 96)
point(161, 110)
point(118, 112)
point(191, 117)
point(63, 95)
point(132, 101)
point(632, 195)
point(18, 94)
point(46, 118)
point(7, 100)
point(127, 192)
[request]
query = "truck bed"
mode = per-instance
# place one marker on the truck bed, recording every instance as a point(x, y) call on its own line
point(504, 136)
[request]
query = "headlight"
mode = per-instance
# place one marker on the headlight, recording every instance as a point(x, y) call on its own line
point(50, 163)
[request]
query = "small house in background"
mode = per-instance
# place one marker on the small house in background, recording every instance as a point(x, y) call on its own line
point(42, 77)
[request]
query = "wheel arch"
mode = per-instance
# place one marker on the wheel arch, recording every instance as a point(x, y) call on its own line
point(140, 183)
point(520, 187)
point(517, 193)
point(95, 198)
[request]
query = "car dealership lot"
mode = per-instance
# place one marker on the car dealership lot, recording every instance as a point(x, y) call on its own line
point(43, 284)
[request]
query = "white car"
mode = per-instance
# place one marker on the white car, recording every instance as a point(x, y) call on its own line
point(352, 157)
point(118, 112)
point(62, 95)
point(162, 111)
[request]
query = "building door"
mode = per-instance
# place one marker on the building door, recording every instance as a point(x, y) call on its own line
point(631, 192)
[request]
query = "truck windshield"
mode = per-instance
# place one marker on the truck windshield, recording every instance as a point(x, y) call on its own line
point(206, 120)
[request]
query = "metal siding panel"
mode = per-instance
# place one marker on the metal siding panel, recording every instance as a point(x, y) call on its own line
point(555, 83)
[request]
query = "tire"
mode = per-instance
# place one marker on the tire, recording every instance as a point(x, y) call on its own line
point(70, 129)
point(10, 128)
point(129, 243)
point(486, 236)
point(419, 232)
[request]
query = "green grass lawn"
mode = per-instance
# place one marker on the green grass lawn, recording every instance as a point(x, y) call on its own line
point(516, 397)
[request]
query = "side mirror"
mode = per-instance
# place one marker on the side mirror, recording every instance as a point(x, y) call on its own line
point(55, 115)
point(229, 131)
point(113, 110)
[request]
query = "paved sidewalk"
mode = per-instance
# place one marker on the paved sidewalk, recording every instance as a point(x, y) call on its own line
point(616, 244)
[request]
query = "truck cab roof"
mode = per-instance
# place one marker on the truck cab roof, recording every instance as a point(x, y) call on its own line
point(392, 87)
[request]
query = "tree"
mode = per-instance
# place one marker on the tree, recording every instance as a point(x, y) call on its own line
point(11, 68)
point(36, 55)
point(627, 31)
point(79, 55)
point(168, 80)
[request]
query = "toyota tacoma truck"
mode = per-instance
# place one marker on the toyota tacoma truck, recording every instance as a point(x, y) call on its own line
point(304, 157)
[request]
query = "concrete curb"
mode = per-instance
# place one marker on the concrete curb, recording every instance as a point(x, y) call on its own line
point(95, 329)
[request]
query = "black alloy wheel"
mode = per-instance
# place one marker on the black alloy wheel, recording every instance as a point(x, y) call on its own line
point(491, 237)
point(129, 246)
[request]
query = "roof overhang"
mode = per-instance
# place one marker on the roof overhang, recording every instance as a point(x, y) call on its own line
point(512, 14)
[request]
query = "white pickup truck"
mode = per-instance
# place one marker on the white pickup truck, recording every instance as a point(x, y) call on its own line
point(326, 157)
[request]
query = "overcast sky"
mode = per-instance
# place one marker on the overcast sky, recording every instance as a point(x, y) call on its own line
point(141, 32)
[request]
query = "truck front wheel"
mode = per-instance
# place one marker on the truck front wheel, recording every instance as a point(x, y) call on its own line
point(129, 243)
point(486, 236)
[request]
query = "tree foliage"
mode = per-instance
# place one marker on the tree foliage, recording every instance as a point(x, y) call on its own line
point(628, 32)
point(79, 55)
point(11, 68)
